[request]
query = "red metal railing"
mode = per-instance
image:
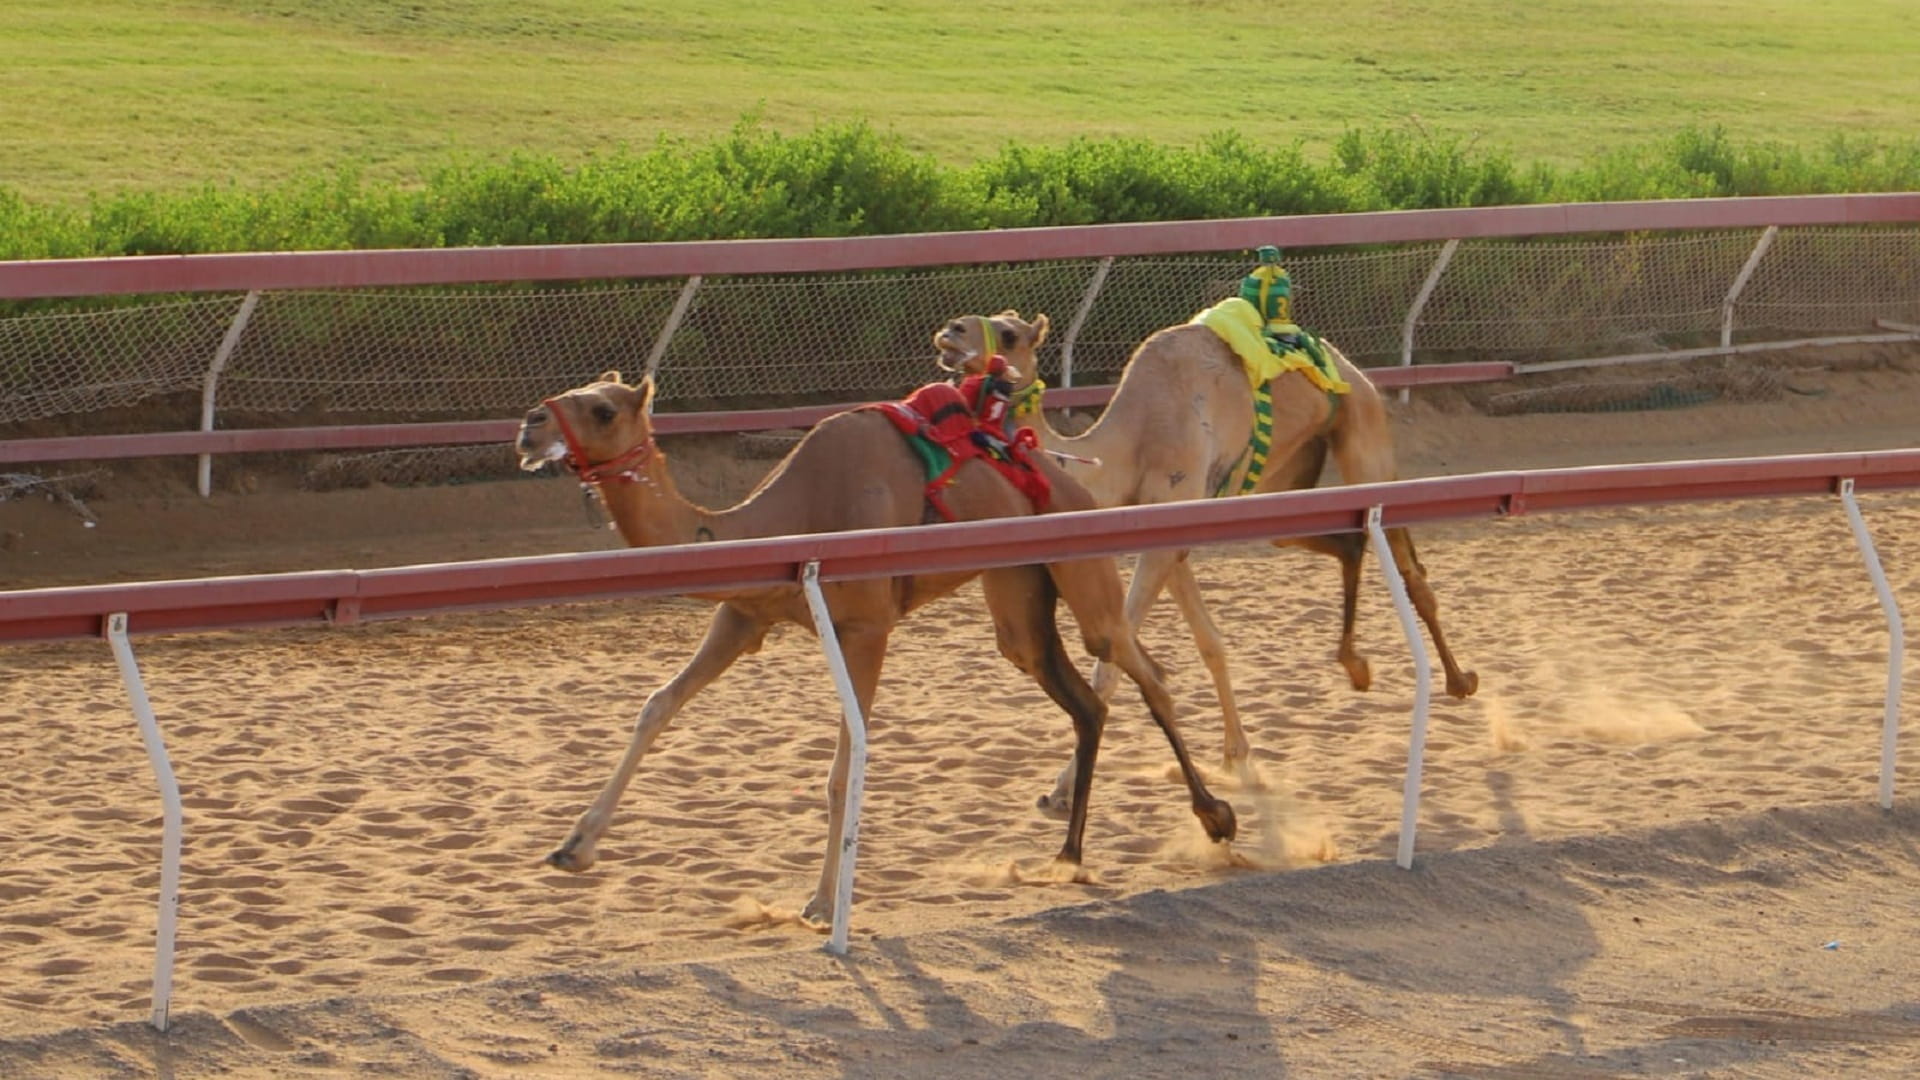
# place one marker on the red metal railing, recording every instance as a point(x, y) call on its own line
point(344, 596)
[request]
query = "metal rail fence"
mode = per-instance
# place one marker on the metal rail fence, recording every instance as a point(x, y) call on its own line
point(427, 335)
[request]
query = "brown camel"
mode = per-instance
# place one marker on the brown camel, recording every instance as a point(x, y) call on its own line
point(1177, 428)
point(854, 470)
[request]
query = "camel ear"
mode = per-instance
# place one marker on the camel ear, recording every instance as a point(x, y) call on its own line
point(645, 407)
point(1040, 327)
point(610, 376)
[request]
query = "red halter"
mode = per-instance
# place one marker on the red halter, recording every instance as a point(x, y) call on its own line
point(624, 468)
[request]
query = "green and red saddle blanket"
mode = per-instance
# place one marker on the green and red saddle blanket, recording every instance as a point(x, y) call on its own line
point(1258, 326)
point(948, 426)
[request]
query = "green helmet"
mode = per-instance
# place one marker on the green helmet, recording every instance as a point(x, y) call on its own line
point(1268, 288)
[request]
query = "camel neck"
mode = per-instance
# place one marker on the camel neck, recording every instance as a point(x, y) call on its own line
point(1093, 454)
point(649, 511)
point(1101, 436)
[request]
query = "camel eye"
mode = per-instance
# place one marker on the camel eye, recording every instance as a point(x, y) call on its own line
point(604, 413)
point(954, 327)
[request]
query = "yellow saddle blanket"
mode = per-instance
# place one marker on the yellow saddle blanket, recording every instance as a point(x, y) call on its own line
point(1238, 324)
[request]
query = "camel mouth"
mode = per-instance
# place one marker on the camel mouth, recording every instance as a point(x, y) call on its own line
point(955, 354)
point(533, 460)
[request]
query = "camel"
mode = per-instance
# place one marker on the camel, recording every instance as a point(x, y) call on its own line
point(854, 470)
point(1178, 428)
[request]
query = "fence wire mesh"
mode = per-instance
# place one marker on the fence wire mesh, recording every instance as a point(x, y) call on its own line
point(756, 341)
point(1554, 300)
point(1356, 300)
point(437, 353)
point(1832, 281)
point(57, 364)
point(796, 338)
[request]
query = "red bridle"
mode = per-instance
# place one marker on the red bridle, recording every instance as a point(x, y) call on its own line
point(624, 468)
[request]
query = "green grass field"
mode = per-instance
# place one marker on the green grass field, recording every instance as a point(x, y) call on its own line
point(106, 96)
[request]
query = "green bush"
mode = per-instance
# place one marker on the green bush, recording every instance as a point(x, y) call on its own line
point(1704, 163)
point(849, 179)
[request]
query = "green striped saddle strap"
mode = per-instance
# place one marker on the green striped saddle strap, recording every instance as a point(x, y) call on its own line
point(1258, 446)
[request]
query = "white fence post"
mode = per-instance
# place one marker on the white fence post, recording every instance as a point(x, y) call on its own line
point(674, 318)
point(1422, 686)
point(1896, 648)
point(1419, 305)
point(1740, 283)
point(170, 807)
point(1094, 286)
point(857, 757)
point(212, 383)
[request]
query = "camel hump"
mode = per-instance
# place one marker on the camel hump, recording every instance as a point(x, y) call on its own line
point(1180, 350)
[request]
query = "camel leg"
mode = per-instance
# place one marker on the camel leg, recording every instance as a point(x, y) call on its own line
point(1022, 601)
point(1460, 683)
point(1351, 550)
point(731, 633)
point(1150, 573)
point(1149, 577)
point(864, 647)
point(1206, 637)
point(1363, 447)
point(1089, 588)
point(1302, 471)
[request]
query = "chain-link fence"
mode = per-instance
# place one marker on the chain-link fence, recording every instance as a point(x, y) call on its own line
point(741, 342)
point(82, 362)
point(1541, 301)
point(1833, 281)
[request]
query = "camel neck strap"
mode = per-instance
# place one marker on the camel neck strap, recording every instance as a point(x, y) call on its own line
point(1026, 400)
point(622, 468)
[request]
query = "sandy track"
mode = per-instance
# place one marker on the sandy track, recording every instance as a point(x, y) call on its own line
point(366, 809)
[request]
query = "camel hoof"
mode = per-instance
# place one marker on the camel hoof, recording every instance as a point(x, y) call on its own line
point(1066, 868)
point(1243, 771)
point(818, 913)
point(1237, 752)
point(1359, 672)
point(568, 857)
point(1218, 820)
point(1465, 685)
point(1058, 807)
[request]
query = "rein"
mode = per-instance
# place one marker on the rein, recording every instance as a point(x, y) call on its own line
point(623, 468)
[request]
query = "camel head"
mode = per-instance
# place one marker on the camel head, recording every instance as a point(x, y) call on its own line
point(965, 343)
point(601, 431)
